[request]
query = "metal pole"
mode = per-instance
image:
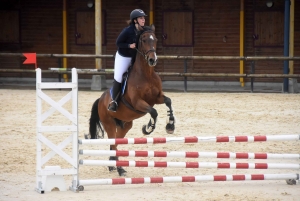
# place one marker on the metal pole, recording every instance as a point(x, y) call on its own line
point(185, 78)
point(252, 72)
point(292, 33)
point(65, 39)
point(286, 44)
point(242, 41)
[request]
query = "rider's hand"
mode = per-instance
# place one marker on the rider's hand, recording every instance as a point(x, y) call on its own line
point(132, 45)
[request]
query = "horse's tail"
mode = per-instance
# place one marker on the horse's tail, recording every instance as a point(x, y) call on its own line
point(94, 120)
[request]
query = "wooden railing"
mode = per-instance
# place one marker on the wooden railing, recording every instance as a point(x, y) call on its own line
point(175, 74)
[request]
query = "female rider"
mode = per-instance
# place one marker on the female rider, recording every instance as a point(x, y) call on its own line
point(126, 51)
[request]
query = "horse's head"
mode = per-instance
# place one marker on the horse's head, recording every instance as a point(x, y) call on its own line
point(147, 44)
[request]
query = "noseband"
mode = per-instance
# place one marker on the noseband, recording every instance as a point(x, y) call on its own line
point(144, 54)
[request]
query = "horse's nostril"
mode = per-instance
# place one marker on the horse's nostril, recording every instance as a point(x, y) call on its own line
point(152, 62)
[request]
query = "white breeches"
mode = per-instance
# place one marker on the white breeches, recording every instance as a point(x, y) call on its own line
point(121, 66)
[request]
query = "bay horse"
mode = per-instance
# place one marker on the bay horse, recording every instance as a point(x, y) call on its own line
point(143, 91)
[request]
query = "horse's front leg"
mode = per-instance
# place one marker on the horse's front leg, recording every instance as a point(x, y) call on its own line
point(149, 128)
point(142, 106)
point(170, 127)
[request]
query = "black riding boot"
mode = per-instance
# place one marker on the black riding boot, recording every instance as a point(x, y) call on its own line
point(113, 105)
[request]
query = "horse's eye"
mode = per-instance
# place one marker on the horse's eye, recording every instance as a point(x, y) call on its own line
point(144, 41)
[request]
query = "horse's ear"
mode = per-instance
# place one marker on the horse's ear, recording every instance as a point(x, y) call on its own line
point(152, 27)
point(138, 27)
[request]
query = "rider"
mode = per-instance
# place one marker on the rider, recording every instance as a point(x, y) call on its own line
point(126, 51)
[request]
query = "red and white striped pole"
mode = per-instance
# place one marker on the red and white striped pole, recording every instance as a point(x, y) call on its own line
point(181, 154)
point(192, 139)
point(191, 164)
point(180, 179)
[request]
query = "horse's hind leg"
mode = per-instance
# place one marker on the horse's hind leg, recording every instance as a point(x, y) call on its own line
point(120, 133)
point(170, 127)
point(120, 169)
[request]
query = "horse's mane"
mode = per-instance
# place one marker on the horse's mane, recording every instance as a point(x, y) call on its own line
point(139, 33)
point(146, 28)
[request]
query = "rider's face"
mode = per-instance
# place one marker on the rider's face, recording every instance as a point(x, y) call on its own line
point(141, 20)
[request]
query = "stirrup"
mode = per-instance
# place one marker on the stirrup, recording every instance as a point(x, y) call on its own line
point(113, 106)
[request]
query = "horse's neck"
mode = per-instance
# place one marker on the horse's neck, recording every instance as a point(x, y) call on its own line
point(141, 67)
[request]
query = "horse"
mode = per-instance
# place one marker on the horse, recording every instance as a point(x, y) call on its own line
point(143, 91)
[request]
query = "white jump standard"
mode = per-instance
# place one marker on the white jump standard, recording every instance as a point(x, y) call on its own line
point(52, 176)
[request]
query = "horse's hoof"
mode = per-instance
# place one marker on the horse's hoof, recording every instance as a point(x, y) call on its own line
point(111, 168)
point(99, 137)
point(87, 136)
point(170, 132)
point(170, 128)
point(144, 131)
point(121, 171)
point(122, 174)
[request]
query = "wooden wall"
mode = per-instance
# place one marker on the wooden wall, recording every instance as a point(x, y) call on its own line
point(217, 20)
point(216, 28)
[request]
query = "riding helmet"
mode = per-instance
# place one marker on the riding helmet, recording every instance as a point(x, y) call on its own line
point(137, 13)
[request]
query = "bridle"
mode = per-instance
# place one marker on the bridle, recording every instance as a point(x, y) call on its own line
point(144, 54)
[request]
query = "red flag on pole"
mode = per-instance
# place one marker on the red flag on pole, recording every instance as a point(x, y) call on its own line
point(30, 58)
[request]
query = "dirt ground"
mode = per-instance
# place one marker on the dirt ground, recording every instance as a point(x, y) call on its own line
point(197, 114)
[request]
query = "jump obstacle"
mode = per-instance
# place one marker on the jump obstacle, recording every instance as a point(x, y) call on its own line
point(52, 176)
point(291, 178)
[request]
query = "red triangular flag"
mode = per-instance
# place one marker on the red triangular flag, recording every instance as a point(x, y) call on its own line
point(30, 58)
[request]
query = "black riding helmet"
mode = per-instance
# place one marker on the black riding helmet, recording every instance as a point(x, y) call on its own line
point(136, 13)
